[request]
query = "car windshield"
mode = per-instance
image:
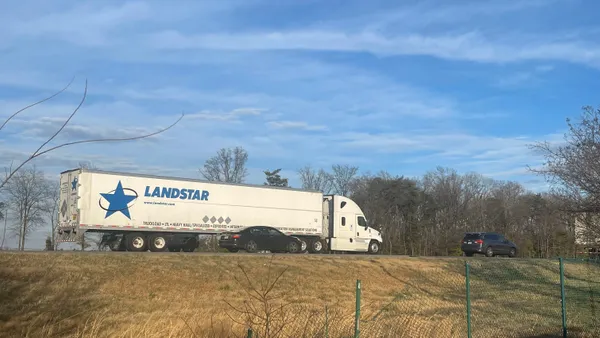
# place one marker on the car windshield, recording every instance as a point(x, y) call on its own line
point(472, 236)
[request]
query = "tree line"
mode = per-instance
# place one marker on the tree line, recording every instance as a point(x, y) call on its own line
point(429, 215)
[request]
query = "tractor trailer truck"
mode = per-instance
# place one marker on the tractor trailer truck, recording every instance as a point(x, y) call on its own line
point(136, 212)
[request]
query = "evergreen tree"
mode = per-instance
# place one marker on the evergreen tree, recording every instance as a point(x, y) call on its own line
point(274, 179)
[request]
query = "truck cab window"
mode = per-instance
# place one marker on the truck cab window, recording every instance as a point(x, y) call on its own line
point(362, 222)
point(343, 220)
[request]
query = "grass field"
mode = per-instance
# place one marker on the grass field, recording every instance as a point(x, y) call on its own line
point(181, 295)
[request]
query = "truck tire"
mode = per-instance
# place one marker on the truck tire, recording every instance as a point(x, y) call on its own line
point(157, 243)
point(316, 246)
point(374, 247)
point(304, 244)
point(136, 242)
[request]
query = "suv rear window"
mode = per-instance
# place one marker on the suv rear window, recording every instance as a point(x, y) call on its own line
point(472, 236)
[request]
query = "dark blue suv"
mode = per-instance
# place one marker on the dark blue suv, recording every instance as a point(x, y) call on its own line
point(487, 243)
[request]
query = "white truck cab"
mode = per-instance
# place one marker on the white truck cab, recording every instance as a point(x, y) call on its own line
point(348, 229)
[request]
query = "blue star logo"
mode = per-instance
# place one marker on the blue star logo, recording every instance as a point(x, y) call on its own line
point(74, 184)
point(118, 201)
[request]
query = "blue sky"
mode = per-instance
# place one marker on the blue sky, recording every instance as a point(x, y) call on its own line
point(402, 88)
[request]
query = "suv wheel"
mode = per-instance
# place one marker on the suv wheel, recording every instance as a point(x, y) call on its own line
point(489, 252)
point(512, 252)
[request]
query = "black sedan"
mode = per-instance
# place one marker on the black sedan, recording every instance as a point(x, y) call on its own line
point(256, 238)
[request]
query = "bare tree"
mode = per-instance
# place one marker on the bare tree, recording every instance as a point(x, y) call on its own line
point(342, 178)
point(39, 152)
point(87, 165)
point(573, 167)
point(28, 197)
point(4, 219)
point(54, 197)
point(315, 180)
point(266, 308)
point(227, 166)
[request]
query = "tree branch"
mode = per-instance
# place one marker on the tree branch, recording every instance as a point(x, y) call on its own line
point(38, 102)
point(38, 153)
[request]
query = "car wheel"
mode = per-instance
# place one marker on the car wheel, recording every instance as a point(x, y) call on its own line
point(294, 247)
point(489, 252)
point(469, 254)
point(512, 252)
point(251, 246)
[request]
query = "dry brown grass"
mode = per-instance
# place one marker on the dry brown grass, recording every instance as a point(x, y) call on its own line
point(181, 295)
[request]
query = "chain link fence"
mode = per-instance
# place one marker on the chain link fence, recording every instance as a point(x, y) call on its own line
point(582, 297)
point(485, 297)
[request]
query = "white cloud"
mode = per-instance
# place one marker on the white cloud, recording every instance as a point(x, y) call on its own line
point(296, 125)
point(232, 116)
point(84, 24)
point(425, 14)
point(531, 76)
point(470, 45)
point(143, 28)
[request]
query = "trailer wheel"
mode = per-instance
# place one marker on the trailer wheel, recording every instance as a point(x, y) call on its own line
point(136, 242)
point(157, 243)
point(303, 244)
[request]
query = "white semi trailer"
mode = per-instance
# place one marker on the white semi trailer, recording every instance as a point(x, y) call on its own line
point(137, 212)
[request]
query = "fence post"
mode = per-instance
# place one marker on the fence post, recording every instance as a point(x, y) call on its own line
point(249, 333)
point(562, 297)
point(468, 294)
point(357, 315)
point(326, 322)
